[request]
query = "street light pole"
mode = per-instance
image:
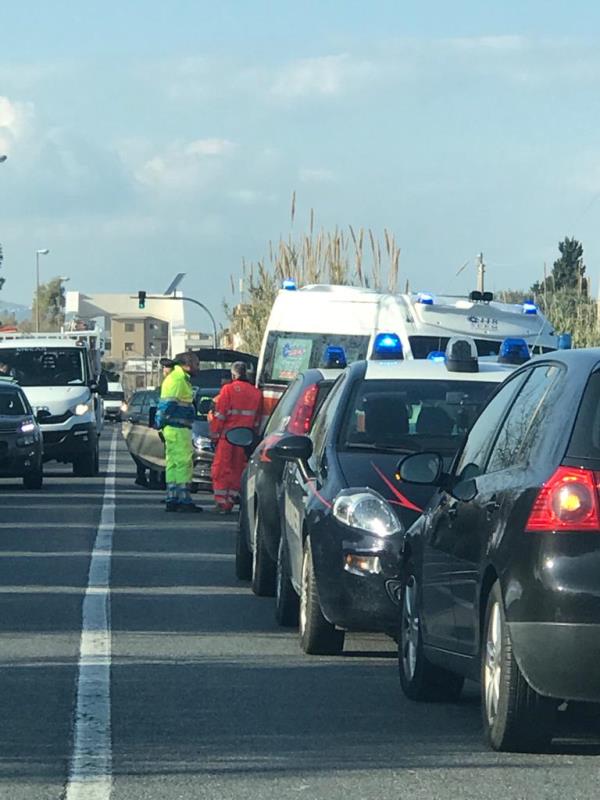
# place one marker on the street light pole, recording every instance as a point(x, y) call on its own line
point(38, 253)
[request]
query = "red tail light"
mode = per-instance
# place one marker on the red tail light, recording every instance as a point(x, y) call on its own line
point(567, 502)
point(303, 413)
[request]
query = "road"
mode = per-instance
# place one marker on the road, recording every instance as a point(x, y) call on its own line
point(208, 697)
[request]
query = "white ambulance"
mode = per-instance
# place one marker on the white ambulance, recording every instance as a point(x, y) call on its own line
point(329, 326)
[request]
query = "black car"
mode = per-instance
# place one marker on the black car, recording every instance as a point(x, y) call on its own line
point(343, 512)
point(21, 444)
point(147, 448)
point(259, 527)
point(502, 572)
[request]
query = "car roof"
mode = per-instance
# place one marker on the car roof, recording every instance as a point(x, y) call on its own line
point(35, 344)
point(8, 384)
point(422, 369)
point(320, 374)
point(581, 358)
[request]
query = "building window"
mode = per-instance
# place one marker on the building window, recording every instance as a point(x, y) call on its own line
point(129, 347)
point(129, 327)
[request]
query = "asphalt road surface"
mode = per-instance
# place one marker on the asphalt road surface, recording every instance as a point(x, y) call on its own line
point(187, 688)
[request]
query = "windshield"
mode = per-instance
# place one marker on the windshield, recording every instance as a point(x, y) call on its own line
point(288, 354)
point(12, 405)
point(114, 396)
point(413, 415)
point(44, 366)
point(421, 346)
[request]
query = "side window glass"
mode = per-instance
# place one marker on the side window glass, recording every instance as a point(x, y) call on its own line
point(521, 428)
point(135, 406)
point(474, 454)
point(281, 414)
point(324, 419)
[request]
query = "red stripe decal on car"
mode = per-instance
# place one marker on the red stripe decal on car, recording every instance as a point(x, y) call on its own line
point(404, 501)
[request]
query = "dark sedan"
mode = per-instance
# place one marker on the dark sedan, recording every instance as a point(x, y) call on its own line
point(259, 527)
point(343, 512)
point(502, 572)
point(21, 445)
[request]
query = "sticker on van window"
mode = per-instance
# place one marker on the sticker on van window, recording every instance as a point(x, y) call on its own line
point(291, 357)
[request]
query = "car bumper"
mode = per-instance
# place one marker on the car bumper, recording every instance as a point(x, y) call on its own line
point(358, 578)
point(16, 464)
point(559, 659)
point(112, 413)
point(64, 445)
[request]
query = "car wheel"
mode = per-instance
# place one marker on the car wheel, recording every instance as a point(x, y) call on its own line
point(515, 716)
point(287, 603)
point(34, 479)
point(86, 465)
point(243, 556)
point(420, 679)
point(263, 566)
point(317, 635)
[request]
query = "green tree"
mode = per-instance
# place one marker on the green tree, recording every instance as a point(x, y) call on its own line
point(52, 303)
point(568, 271)
point(2, 280)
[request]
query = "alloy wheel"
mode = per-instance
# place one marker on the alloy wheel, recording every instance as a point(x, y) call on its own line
point(492, 671)
point(410, 628)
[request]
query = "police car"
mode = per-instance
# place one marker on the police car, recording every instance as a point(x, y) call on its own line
point(343, 508)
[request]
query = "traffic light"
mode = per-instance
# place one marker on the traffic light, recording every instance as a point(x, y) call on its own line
point(141, 299)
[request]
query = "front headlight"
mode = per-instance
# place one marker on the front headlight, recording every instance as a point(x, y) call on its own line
point(27, 427)
point(203, 444)
point(81, 409)
point(366, 510)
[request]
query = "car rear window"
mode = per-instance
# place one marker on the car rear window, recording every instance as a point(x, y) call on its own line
point(585, 439)
point(412, 415)
point(12, 405)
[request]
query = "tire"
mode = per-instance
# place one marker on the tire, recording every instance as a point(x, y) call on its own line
point(243, 556)
point(86, 465)
point(317, 635)
point(515, 717)
point(420, 679)
point(287, 602)
point(263, 566)
point(34, 479)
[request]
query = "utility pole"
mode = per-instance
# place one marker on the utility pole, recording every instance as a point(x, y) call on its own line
point(480, 273)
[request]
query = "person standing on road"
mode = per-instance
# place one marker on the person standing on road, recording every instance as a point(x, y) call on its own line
point(238, 405)
point(174, 418)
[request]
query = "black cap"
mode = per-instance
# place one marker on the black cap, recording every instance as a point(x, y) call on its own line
point(167, 362)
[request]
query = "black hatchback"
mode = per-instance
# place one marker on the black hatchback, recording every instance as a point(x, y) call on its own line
point(21, 445)
point(502, 571)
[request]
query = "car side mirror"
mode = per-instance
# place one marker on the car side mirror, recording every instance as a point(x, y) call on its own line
point(42, 415)
point(292, 448)
point(240, 437)
point(465, 491)
point(152, 416)
point(421, 468)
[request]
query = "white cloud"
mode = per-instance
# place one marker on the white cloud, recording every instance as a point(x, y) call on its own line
point(316, 175)
point(185, 165)
point(16, 120)
point(324, 76)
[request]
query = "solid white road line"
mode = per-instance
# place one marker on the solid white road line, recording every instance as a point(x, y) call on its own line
point(90, 772)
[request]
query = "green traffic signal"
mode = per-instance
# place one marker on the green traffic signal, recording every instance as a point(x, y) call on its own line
point(141, 299)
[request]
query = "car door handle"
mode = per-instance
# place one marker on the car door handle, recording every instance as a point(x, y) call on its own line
point(492, 507)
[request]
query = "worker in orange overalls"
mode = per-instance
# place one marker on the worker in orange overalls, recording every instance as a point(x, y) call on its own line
point(238, 405)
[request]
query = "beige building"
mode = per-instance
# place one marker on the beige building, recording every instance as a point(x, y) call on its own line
point(137, 336)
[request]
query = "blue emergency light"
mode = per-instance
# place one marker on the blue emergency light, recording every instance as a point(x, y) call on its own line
point(425, 299)
point(335, 357)
point(529, 307)
point(514, 351)
point(565, 341)
point(438, 356)
point(289, 285)
point(387, 346)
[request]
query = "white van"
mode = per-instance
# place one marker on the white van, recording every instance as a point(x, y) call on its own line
point(113, 400)
point(309, 327)
point(60, 374)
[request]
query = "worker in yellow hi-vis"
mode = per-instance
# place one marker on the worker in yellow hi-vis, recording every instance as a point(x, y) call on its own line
point(174, 417)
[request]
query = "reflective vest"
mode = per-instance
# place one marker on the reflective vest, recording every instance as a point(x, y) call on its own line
point(176, 404)
point(238, 405)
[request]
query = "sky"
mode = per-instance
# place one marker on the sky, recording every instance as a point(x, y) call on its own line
point(150, 138)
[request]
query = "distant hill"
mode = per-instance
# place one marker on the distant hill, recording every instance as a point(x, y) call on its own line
point(7, 308)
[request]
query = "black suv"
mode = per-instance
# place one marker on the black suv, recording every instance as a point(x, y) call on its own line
point(21, 445)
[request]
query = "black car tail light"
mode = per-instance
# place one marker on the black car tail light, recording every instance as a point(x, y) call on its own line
point(568, 501)
point(303, 413)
